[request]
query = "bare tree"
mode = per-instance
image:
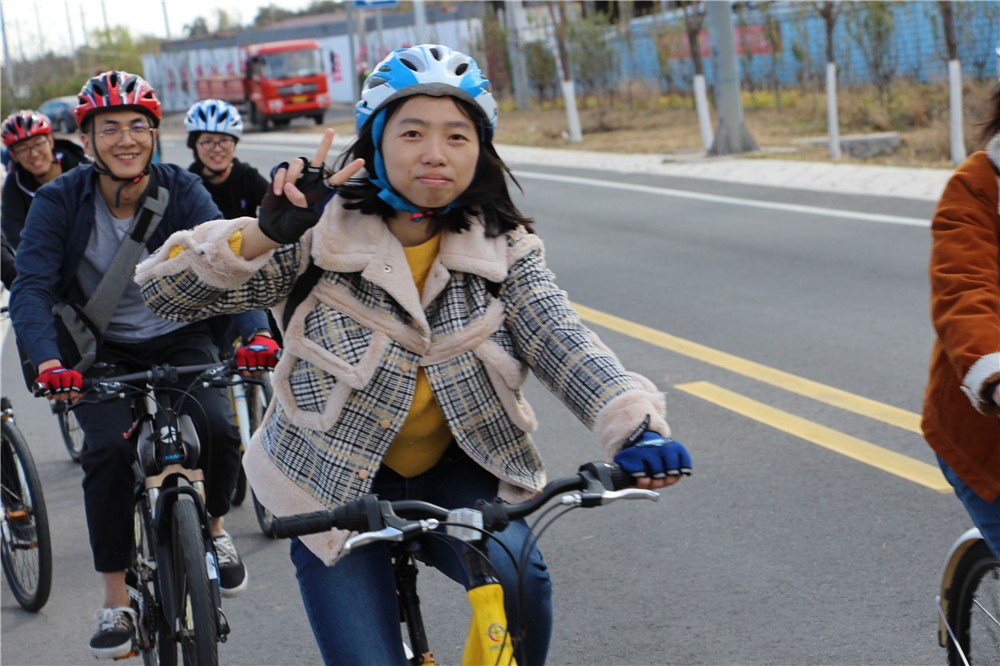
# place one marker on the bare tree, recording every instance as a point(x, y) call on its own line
point(694, 23)
point(872, 26)
point(829, 11)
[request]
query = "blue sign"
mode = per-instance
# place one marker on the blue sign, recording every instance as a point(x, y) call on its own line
point(376, 4)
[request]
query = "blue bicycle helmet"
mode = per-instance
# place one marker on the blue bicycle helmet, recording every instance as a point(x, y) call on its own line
point(212, 115)
point(428, 69)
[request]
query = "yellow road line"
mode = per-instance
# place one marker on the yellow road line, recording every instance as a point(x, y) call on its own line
point(889, 461)
point(783, 380)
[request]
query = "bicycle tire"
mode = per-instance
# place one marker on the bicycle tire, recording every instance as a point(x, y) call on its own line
point(240, 490)
point(257, 399)
point(265, 519)
point(973, 597)
point(159, 648)
point(26, 549)
point(198, 622)
point(72, 433)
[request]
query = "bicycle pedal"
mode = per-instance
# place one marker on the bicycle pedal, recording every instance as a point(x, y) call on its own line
point(223, 627)
point(17, 514)
point(133, 653)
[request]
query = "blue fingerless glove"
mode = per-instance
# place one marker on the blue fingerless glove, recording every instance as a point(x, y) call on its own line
point(650, 454)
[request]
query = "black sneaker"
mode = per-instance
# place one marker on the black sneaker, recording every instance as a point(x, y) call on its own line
point(232, 573)
point(115, 633)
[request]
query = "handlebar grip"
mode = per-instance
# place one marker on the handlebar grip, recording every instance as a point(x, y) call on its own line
point(361, 515)
point(611, 475)
point(303, 523)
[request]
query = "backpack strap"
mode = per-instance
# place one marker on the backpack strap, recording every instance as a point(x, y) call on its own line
point(303, 285)
point(85, 324)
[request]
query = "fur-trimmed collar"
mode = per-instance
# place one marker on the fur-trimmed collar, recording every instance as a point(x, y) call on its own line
point(347, 241)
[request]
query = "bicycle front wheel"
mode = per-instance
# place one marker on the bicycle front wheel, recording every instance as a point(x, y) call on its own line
point(197, 620)
point(72, 433)
point(258, 397)
point(26, 549)
point(974, 608)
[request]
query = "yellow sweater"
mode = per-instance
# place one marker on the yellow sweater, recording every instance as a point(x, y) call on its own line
point(425, 434)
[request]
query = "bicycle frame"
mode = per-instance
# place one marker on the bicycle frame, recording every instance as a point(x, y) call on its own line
point(166, 447)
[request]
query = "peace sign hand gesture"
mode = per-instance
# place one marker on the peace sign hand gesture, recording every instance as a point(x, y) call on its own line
point(299, 192)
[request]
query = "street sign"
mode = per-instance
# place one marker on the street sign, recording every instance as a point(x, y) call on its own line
point(376, 4)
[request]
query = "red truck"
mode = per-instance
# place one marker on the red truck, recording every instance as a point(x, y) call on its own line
point(281, 81)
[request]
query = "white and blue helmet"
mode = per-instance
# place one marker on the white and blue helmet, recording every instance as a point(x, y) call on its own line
point(428, 69)
point(213, 115)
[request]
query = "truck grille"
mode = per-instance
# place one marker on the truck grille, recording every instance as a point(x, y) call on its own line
point(297, 89)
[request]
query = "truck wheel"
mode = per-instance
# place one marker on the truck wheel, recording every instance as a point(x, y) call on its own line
point(318, 118)
point(257, 118)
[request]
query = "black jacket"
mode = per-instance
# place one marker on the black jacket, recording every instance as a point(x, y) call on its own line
point(240, 194)
point(20, 186)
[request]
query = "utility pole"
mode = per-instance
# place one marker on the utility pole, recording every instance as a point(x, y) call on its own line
point(72, 42)
point(352, 67)
point(514, 13)
point(731, 136)
point(420, 20)
point(166, 20)
point(83, 27)
point(41, 35)
point(9, 81)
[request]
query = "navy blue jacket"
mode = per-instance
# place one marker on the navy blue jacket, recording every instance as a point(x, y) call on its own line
point(56, 234)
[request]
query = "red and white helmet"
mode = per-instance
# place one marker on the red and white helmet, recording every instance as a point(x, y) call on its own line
point(116, 90)
point(24, 124)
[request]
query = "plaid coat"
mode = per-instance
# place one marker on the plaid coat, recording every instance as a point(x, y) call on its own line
point(490, 310)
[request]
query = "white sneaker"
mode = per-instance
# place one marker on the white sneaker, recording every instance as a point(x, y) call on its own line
point(115, 633)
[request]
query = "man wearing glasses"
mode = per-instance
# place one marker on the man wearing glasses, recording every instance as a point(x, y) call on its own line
point(214, 128)
point(37, 158)
point(72, 234)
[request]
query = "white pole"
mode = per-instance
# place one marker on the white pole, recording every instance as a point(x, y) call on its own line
point(832, 121)
point(704, 116)
point(956, 134)
point(572, 117)
point(420, 18)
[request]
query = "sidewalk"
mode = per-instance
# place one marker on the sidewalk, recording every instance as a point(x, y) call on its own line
point(748, 169)
point(909, 183)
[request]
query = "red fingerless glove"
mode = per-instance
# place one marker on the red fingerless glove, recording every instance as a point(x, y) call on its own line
point(261, 354)
point(58, 380)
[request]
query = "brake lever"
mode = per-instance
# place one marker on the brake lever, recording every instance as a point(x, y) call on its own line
point(591, 498)
point(394, 534)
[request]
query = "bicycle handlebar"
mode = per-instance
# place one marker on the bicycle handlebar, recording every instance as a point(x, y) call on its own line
point(597, 482)
point(218, 374)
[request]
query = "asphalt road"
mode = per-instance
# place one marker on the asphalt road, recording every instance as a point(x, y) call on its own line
point(793, 349)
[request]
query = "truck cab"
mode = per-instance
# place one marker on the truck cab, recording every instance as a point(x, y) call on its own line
point(285, 80)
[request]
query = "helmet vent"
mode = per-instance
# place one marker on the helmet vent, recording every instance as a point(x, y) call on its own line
point(461, 68)
point(435, 53)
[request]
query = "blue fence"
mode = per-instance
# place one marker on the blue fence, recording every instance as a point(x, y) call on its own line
point(917, 48)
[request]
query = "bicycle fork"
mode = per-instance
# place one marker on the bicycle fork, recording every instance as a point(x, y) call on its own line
point(488, 640)
point(161, 500)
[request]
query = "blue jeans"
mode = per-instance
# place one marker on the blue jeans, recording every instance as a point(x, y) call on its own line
point(985, 515)
point(352, 605)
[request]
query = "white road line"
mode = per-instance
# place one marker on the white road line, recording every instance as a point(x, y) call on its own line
point(732, 201)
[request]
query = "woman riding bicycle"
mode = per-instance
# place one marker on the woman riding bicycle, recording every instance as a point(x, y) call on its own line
point(962, 401)
point(428, 300)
